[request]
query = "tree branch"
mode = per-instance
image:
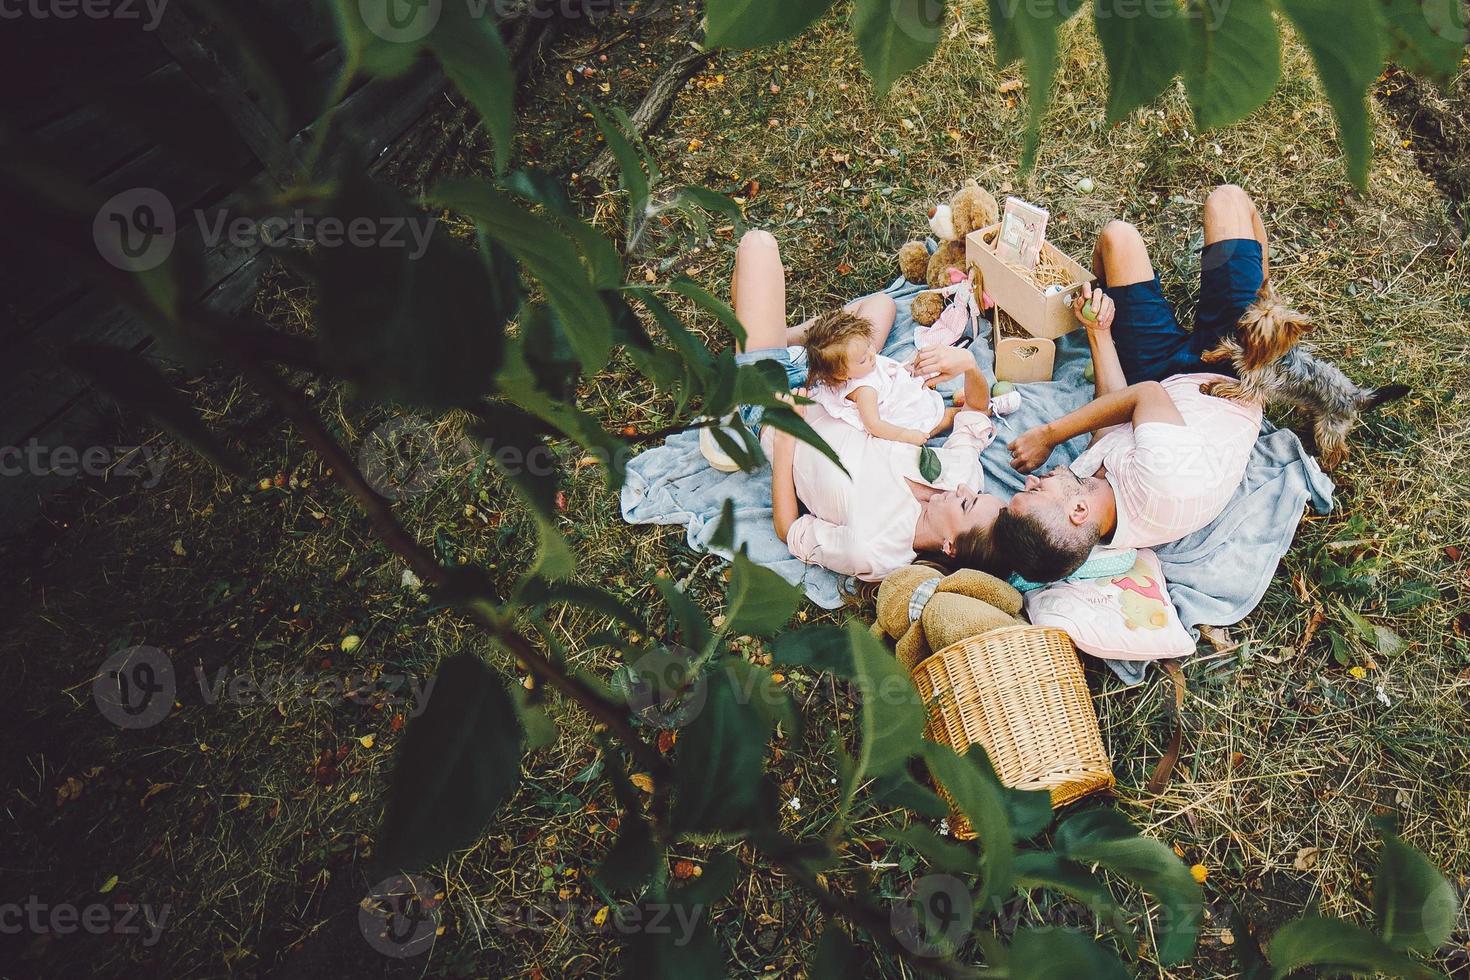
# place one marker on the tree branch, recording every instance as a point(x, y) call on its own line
point(422, 562)
point(656, 104)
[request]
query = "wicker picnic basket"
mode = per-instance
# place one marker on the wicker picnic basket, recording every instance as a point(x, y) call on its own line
point(1019, 691)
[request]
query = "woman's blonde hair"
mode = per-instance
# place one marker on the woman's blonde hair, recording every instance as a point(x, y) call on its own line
point(826, 344)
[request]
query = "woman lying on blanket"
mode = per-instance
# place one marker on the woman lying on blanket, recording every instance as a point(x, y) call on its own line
point(881, 513)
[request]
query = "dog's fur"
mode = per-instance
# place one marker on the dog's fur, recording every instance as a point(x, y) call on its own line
point(1272, 368)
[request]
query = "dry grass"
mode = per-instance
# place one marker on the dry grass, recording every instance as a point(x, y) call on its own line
point(1286, 749)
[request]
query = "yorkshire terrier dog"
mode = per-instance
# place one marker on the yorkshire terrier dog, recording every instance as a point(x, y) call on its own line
point(1272, 368)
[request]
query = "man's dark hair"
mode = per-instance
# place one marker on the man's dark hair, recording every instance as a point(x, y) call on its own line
point(1038, 551)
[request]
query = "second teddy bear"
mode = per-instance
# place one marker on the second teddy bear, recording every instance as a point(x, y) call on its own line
point(971, 209)
point(923, 610)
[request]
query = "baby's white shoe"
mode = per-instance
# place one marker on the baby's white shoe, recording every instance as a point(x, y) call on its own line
point(1005, 404)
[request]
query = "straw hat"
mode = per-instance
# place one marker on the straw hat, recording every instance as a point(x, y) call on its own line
point(923, 610)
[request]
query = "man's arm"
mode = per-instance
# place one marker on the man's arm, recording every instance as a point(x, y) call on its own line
point(1105, 364)
point(1143, 402)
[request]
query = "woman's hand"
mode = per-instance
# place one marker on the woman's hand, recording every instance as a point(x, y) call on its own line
point(938, 364)
point(1103, 309)
point(1031, 448)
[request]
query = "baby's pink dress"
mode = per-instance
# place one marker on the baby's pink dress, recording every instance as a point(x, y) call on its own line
point(902, 398)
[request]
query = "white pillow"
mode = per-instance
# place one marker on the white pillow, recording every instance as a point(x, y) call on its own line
point(1123, 617)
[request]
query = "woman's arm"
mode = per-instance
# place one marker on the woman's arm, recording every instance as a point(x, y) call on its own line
point(784, 510)
point(1143, 402)
point(938, 364)
point(866, 400)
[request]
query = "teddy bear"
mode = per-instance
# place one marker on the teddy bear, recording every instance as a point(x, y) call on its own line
point(971, 209)
point(922, 610)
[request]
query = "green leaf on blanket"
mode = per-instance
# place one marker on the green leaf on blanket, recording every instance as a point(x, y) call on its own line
point(929, 465)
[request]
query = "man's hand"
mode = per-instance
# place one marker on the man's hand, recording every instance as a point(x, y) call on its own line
point(1103, 309)
point(938, 364)
point(1031, 449)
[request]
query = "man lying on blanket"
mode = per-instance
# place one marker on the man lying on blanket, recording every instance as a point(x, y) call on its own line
point(1165, 458)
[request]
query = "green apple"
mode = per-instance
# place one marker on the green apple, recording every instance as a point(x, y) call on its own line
point(1090, 372)
point(1088, 313)
point(1001, 388)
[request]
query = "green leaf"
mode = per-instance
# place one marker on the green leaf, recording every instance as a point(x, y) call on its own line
point(711, 201)
point(1029, 810)
point(929, 465)
point(757, 686)
point(547, 253)
point(475, 59)
point(1028, 30)
point(367, 46)
point(896, 36)
point(1348, 45)
point(630, 163)
point(720, 761)
point(423, 323)
point(1144, 45)
point(1106, 837)
point(821, 647)
point(133, 382)
point(1043, 869)
point(633, 857)
point(759, 602)
point(891, 713)
point(687, 287)
point(978, 794)
point(942, 855)
point(695, 354)
point(787, 420)
point(758, 23)
point(513, 441)
point(899, 789)
point(683, 947)
point(693, 627)
point(1050, 952)
point(836, 958)
point(720, 873)
point(1234, 59)
point(1426, 36)
point(604, 264)
point(457, 762)
point(539, 728)
point(1337, 946)
point(1414, 905)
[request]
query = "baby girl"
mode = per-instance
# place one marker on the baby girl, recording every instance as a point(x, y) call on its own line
point(855, 383)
